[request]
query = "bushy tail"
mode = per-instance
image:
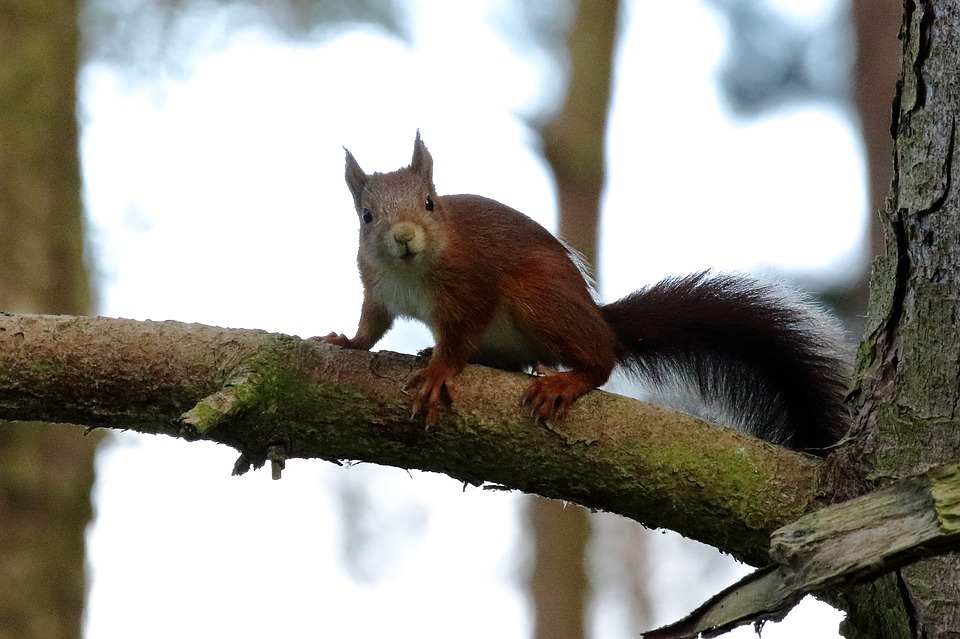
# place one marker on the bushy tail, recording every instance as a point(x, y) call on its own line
point(771, 363)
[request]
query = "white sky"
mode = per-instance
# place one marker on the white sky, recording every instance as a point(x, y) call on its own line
point(220, 199)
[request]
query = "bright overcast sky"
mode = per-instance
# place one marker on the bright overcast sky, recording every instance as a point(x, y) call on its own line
point(219, 198)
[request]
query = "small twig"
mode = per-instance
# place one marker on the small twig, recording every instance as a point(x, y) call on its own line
point(277, 454)
point(238, 392)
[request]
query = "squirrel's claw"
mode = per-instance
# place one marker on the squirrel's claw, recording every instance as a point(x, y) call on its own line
point(545, 405)
point(551, 396)
point(434, 385)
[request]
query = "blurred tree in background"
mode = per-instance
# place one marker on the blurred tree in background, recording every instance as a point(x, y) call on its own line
point(850, 60)
point(573, 145)
point(45, 473)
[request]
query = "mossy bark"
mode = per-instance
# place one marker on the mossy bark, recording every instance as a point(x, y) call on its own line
point(909, 363)
point(277, 397)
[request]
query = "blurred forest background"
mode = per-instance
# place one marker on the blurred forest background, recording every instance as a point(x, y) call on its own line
point(181, 159)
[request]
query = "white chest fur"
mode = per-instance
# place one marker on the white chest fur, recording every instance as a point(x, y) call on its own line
point(502, 345)
point(405, 296)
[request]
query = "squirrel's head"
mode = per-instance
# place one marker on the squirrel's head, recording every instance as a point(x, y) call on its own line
point(401, 217)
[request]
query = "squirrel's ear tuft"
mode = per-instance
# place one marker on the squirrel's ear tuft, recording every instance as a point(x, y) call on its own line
point(422, 162)
point(356, 178)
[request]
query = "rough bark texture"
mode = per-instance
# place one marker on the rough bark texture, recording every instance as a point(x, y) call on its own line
point(276, 396)
point(909, 363)
point(45, 473)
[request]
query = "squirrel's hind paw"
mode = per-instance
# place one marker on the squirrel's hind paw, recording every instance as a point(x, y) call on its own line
point(337, 339)
point(552, 396)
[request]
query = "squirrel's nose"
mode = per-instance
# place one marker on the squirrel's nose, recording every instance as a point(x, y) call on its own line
point(403, 234)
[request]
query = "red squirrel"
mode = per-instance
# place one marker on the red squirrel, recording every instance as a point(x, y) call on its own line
point(496, 288)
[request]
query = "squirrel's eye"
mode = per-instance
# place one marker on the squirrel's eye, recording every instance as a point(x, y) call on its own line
point(367, 216)
point(429, 203)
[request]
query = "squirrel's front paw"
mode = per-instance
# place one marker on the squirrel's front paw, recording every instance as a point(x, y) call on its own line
point(434, 384)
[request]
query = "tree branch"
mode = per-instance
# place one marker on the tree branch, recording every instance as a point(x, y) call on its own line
point(847, 543)
point(276, 397)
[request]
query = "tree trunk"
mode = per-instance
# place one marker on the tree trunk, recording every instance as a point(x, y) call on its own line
point(574, 148)
point(875, 76)
point(45, 473)
point(875, 73)
point(906, 390)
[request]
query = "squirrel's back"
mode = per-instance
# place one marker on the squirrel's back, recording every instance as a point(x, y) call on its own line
point(495, 229)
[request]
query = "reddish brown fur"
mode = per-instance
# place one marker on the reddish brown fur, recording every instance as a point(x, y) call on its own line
point(496, 288)
point(514, 264)
point(483, 262)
